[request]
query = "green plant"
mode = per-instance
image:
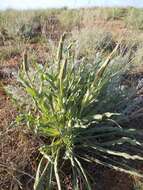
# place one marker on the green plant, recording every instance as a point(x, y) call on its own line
point(62, 110)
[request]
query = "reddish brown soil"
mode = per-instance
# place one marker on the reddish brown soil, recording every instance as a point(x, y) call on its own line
point(18, 150)
point(108, 179)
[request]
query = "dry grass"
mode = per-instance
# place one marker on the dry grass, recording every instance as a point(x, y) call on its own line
point(18, 151)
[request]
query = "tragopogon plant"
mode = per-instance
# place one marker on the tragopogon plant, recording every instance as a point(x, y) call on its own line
point(62, 109)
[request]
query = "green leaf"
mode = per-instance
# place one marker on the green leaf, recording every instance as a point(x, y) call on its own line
point(38, 185)
point(31, 92)
point(50, 131)
point(117, 153)
point(83, 172)
point(56, 170)
point(128, 169)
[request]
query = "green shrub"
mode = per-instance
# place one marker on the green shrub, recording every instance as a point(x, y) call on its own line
point(60, 105)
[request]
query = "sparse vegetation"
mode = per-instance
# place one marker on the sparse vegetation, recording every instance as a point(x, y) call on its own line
point(135, 18)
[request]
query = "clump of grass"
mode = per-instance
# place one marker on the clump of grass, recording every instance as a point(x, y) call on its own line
point(113, 13)
point(40, 27)
point(134, 18)
point(89, 16)
point(70, 19)
point(93, 41)
point(138, 57)
point(9, 52)
point(62, 109)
